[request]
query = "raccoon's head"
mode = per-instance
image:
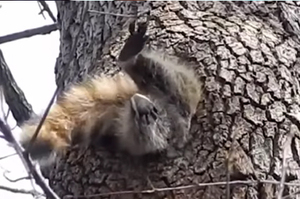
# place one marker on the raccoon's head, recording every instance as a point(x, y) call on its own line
point(146, 126)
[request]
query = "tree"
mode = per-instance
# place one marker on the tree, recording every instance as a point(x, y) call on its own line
point(246, 130)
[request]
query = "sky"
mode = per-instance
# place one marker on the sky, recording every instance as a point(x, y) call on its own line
point(31, 61)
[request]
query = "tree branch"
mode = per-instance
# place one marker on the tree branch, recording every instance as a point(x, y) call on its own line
point(32, 192)
point(13, 95)
point(29, 33)
point(183, 187)
point(15, 180)
point(31, 169)
point(7, 156)
point(47, 9)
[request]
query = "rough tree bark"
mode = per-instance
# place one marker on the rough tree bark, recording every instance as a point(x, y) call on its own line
point(14, 96)
point(246, 53)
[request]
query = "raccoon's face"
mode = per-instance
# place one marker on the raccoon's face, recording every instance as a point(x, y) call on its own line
point(152, 123)
point(145, 126)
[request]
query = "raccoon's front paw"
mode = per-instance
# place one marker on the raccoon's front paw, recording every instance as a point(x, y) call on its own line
point(135, 42)
point(145, 110)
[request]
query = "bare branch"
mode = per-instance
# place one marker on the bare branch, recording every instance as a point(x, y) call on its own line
point(192, 186)
point(7, 156)
point(15, 180)
point(32, 192)
point(42, 11)
point(29, 33)
point(31, 169)
point(47, 9)
point(42, 121)
point(13, 95)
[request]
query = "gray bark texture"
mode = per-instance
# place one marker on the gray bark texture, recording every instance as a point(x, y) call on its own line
point(14, 96)
point(246, 54)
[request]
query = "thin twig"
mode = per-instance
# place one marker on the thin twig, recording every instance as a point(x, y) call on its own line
point(41, 8)
point(7, 156)
point(31, 192)
point(150, 183)
point(47, 9)
point(30, 168)
point(14, 180)
point(17, 179)
point(41, 121)
point(183, 187)
point(29, 33)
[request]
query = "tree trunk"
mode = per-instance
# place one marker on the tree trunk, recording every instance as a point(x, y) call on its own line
point(245, 52)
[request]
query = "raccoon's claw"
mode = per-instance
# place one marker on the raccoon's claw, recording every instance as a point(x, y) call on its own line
point(135, 42)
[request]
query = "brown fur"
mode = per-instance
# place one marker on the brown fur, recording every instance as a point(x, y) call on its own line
point(153, 100)
point(79, 110)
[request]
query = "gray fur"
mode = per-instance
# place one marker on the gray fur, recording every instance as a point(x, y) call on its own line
point(168, 86)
